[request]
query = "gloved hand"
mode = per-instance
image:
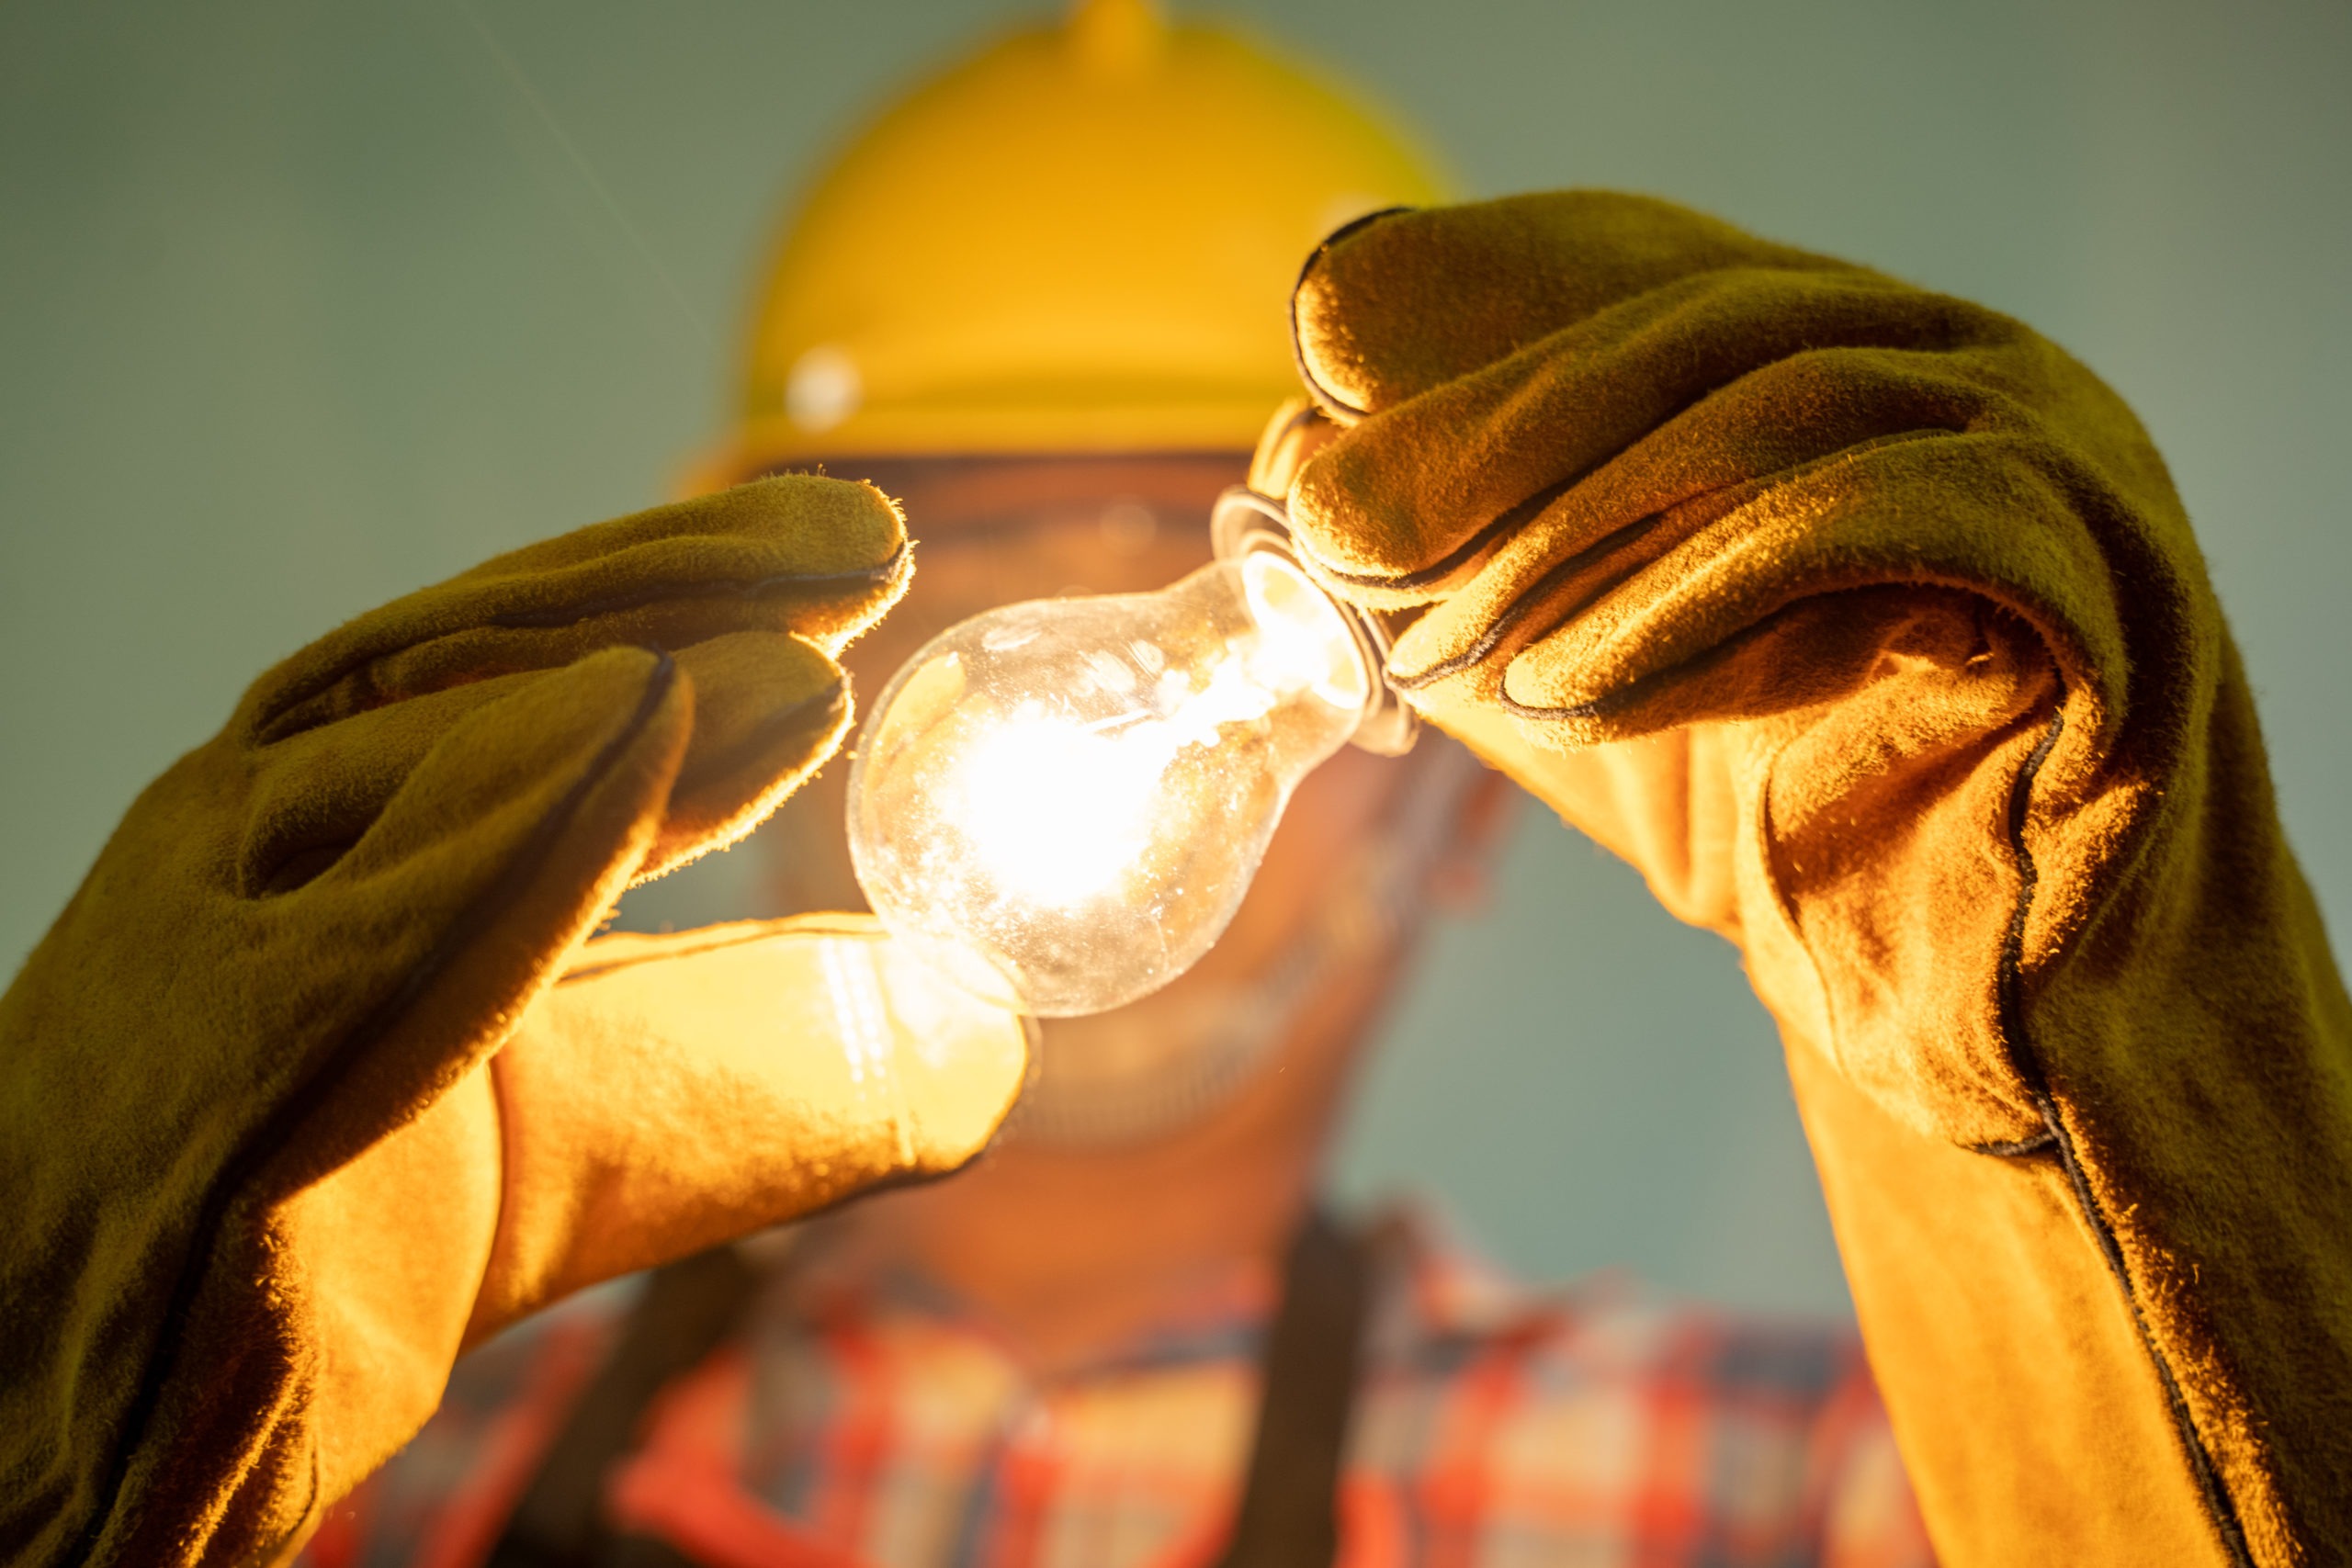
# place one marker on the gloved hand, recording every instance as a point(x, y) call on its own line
point(1867, 625)
point(265, 1161)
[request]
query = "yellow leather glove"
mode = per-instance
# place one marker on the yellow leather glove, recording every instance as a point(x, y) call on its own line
point(1867, 625)
point(293, 1102)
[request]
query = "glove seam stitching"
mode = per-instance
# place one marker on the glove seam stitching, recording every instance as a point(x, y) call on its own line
point(2221, 1508)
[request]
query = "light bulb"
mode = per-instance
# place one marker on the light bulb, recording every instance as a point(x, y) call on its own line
point(1061, 803)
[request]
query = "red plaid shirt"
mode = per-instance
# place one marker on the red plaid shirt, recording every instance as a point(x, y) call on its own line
point(1494, 1426)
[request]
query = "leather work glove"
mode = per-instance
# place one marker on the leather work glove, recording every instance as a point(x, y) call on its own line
point(1867, 624)
point(314, 1082)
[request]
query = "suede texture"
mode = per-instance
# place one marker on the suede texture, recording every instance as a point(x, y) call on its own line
point(265, 1161)
point(1867, 625)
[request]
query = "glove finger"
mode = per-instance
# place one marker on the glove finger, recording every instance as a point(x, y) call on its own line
point(1708, 382)
point(313, 793)
point(1661, 549)
point(408, 960)
point(1387, 310)
point(1697, 623)
point(1665, 563)
point(769, 709)
point(818, 558)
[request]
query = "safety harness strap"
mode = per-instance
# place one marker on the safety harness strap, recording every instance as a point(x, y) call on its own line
point(1287, 1517)
point(1289, 1512)
point(688, 1308)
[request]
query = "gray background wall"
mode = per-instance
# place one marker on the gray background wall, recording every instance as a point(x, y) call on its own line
point(303, 306)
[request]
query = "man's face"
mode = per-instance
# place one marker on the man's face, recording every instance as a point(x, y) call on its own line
point(1001, 534)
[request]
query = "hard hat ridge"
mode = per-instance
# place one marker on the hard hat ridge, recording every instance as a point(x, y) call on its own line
point(1115, 37)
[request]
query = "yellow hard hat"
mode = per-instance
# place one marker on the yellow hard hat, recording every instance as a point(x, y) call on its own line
point(1082, 240)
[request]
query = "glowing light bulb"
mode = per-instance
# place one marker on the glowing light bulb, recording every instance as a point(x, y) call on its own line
point(1061, 803)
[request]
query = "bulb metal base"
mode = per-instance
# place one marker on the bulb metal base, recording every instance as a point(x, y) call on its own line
point(1245, 520)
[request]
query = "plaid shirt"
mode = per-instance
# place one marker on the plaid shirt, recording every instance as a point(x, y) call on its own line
point(886, 1430)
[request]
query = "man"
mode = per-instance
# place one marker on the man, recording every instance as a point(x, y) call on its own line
point(1860, 620)
point(1057, 1357)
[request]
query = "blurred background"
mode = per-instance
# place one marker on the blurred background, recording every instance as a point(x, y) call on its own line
point(303, 307)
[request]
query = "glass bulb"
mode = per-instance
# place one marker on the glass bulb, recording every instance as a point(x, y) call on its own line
point(1061, 803)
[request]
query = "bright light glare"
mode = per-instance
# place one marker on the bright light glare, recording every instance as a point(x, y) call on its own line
point(1058, 809)
point(1303, 642)
point(1057, 812)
